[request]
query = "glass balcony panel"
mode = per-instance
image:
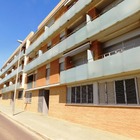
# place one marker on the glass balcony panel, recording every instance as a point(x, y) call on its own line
point(93, 27)
point(7, 89)
point(62, 46)
point(71, 12)
point(131, 59)
point(70, 75)
point(35, 44)
point(31, 65)
point(54, 27)
point(112, 64)
point(63, 19)
point(70, 41)
point(95, 69)
point(80, 35)
point(63, 77)
point(42, 58)
point(29, 85)
point(81, 4)
point(124, 11)
point(13, 62)
point(54, 51)
point(46, 33)
point(82, 72)
point(109, 18)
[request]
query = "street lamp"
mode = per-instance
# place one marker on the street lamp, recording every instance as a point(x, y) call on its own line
point(15, 90)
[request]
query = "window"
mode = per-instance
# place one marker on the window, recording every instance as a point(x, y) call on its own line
point(126, 91)
point(106, 93)
point(20, 94)
point(31, 81)
point(62, 66)
point(5, 96)
point(118, 92)
point(80, 94)
point(28, 97)
point(62, 36)
point(49, 45)
point(50, 23)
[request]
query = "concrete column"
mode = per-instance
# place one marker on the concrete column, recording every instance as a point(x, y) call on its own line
point(88, 18)
point(95, 88)
point(97, 50)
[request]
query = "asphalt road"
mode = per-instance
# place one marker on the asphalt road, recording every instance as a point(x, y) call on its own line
point(10, 130)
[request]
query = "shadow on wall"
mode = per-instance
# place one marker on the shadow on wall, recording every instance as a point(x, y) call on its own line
point(60, 92)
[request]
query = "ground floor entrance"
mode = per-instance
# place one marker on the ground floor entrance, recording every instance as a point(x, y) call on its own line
point(43, 101)
point(12, 99)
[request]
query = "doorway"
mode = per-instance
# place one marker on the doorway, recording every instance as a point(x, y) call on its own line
point(43, 101)
point(12, 99)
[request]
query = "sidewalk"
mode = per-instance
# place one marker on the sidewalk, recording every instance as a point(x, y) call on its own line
point(56, 129)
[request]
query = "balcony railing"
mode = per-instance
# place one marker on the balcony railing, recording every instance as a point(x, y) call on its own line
point(12, 63)
point(114, 64)
point(78, 6)
point(31, 85)
point(11, 75)
point(101, 23)
point(11, 88)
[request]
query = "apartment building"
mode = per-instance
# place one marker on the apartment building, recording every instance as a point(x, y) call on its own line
point(12, 76)
point(82, 65)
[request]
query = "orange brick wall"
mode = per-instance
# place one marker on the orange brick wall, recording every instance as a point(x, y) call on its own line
point(6, 102)
point(19, 102)
point(41, 76)
point(54, 73)
point(124, 121)
point(60, 12)
point(97, 49)
point(93, 13)
point(44, 48)
point(56, 40)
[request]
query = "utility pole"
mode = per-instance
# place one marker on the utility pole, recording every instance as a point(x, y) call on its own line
point(15, 90)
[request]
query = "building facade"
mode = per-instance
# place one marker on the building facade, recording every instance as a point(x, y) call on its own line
point(82, 65)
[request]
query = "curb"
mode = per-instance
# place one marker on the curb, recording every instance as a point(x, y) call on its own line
point(27, 127)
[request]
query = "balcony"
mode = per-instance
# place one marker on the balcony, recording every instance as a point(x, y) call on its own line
point(60, 22)
point(92, 28)
point(11, 88)
point(11, 75)
point(31, 85)
point(12, 63)
point(114, 64)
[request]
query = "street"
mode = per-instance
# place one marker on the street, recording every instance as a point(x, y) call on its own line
point(10, 130)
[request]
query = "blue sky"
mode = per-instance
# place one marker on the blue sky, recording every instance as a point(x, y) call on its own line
point(17, 19)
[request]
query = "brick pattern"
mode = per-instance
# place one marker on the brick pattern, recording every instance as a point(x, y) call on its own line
point(41, 76)
point(124, 121)
point(93, 13)
point(54, 72)
point(56, 40)
point(44, 48)
point(60, 12)
point(97, 49)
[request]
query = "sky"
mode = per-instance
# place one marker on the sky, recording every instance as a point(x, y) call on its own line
point(17, 19)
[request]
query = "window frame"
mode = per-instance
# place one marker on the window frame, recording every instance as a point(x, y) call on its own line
point(28, 98)
point(74, 93)
point(20, 95)
point(111, 93)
